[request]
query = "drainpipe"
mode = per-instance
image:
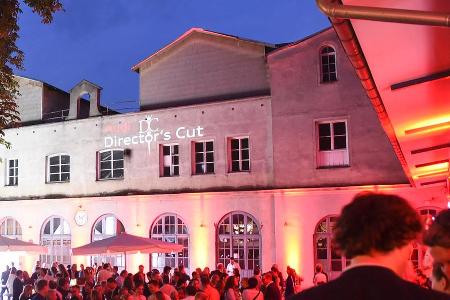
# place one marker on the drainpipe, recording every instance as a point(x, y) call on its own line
point(334, 9)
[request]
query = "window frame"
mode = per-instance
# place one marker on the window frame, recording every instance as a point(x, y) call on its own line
point(16, 228)
point(172, 155)
point(194, 161)
point(163, 235)
point(327, 263)
point(321, 64)
point(240, 149)
point(64, 241)
point(99, 170)
point(332, 135)
point(15, 169)
point(112, 258)
point(48, 173)
point(227, 222)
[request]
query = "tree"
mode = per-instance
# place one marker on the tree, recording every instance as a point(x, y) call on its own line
point(12, 57)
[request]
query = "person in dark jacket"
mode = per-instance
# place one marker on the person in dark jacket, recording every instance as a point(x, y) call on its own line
point(18, 285)
point(290, 283)
point(271, 290)
point(377, 231)
point(5, 275)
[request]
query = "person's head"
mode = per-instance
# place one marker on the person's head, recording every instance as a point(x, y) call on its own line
point(205, 280)
point(439, 281)
point(123, 273)
point(42, 287)
point(231, 260)
point(115, 269)
point(206, 271)
point(257, 271)
point(74, 268)
point(318, 268)
point(176, 276)
point(167, 269)
point(111, 284)
point(196, 283)
point(153, 286)
point(267, 278)
point(141, 269)
point(438, 239)
point(274, 268)
point(13, 271)
point(159, 295)
point(252, 283)
point(82, 267)
point(139, 288)
point(220, 267)
point(195, 275)
point(231, 283)
point(19, 274)
point(181, 269)
point(378, 226)
point(51, 295)
point(214, 279)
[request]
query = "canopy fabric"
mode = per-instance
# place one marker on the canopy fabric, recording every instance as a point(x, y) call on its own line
point(7, 244)
point(127, 243)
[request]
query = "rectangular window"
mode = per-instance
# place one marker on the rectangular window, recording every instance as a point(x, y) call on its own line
point(169, 160)
point(332, 144)
point(239, 151)
point(110, 164)
point(58, 169)
point(12, 176)
point(204, 157)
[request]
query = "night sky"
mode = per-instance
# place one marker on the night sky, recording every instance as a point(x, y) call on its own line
point(100, 40)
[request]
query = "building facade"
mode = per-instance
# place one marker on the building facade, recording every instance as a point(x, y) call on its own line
point(241, 149)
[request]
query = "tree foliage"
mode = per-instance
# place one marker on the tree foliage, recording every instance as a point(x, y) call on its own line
point(12, 57)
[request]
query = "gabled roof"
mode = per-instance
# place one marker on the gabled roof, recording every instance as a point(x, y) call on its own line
point(193, 31)
point(286, 46)
point(86, 82)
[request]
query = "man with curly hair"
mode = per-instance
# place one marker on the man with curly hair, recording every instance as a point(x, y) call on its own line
point(376, 231)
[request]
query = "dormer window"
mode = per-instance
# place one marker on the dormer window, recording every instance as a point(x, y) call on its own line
point(328, 64)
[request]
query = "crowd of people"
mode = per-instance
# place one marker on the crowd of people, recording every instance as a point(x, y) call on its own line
point(375, 230)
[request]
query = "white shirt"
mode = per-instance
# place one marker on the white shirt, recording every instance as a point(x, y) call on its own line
point(231, 267)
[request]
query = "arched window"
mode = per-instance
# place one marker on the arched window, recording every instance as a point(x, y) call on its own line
point(55, 235)
point(328, 64)
point(105, 227)
point(170, 228)
point(238, 236)
point(419, 256)
point(10, 228)
point(324, 252)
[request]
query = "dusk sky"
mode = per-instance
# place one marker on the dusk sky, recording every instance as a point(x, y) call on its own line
point(100, 40)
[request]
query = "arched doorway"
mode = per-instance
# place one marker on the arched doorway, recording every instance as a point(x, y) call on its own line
point(170, 228)
point(107, 226)
point(56, 236)
point(238, 236)
point(324, 252)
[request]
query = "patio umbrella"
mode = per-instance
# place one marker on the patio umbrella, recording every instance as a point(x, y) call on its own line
point(7, 244)
point(126, 243)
